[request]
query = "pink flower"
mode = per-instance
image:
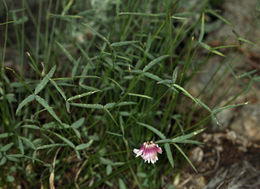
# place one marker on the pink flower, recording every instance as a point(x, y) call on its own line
point(148, 152)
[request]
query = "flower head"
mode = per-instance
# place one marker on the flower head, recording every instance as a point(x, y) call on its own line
point(148, 152)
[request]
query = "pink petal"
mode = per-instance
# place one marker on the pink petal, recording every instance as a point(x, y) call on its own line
point(138, 152)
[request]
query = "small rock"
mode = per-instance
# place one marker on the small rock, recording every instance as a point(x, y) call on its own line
point(247, 122)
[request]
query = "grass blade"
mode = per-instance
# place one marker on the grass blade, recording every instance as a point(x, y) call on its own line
point(6, 147)
point(155, 61)
point(78, 123)
point(27, 100)
point(184, 155)
point(67, 141)
point(45, 80)
point(48, 108)
point(82, 95)
point(91, 106)
point(84, 146)
point(123, 43)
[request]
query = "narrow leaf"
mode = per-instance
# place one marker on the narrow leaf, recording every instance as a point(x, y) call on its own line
point(83, 95)
point(218, 16)
point(140, 95)
point(67, 141)
point(48, 108)
point(28, 143)
point(202, 27)
point(174, 75)
point(84, 146)
point(58, 89)
point(5, 135)
point(121, 184)
point(184, 155)
point(123, 43)
point(45, 80)
point(91, 106)
point(78, 123)
point(190, 135)
point(27, 100)
point(210, 49)
point(152, 76)
point(66, 53)
point(154, 130)
point(155, 61)
point(6, 147)
point(169, 154)
point(50, 146)
point(185, 92)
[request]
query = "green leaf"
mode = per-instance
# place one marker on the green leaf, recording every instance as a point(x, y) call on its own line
point(185, 92)
point(192, 142)
point(10, 178)
point(155, 61)
point(154, 130)
point(109, 169)
point(97, 34)
point(182, 138)
point(121, 184)
point(50, 146)
point(165, 82)
point(45, 80)
point(210, 49)
point(123, 43)
point(203, 105)
point(3, 161)
point(68, 55)
point(245, 40)
point(228, 107)
point(20, 145)
point(28, 143)
point(83, 95)
point(77, 133)
point(202, 27)
point(218, 16)
point(5, 135)
point(12, 158)
point(169, 154)
point(6, 147)
point(91, 106)
point(184, 155)
point(31, 127)
point(114, 134)
point(152, 76)
point(109, 113)
point(48, 108)
point(141, 14)
point(75, 67)
point(140, 95)
point(58, 89)
point(84, 146)
point(106, 161)
point(174, 75)
point(190, 135)
point(67, 141)
point(110, 105)
point(67, 106)
point(78, 123)
point(126, 103)
point(27, 100)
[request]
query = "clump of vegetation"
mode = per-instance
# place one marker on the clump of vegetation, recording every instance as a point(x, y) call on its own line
point(87, 82)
